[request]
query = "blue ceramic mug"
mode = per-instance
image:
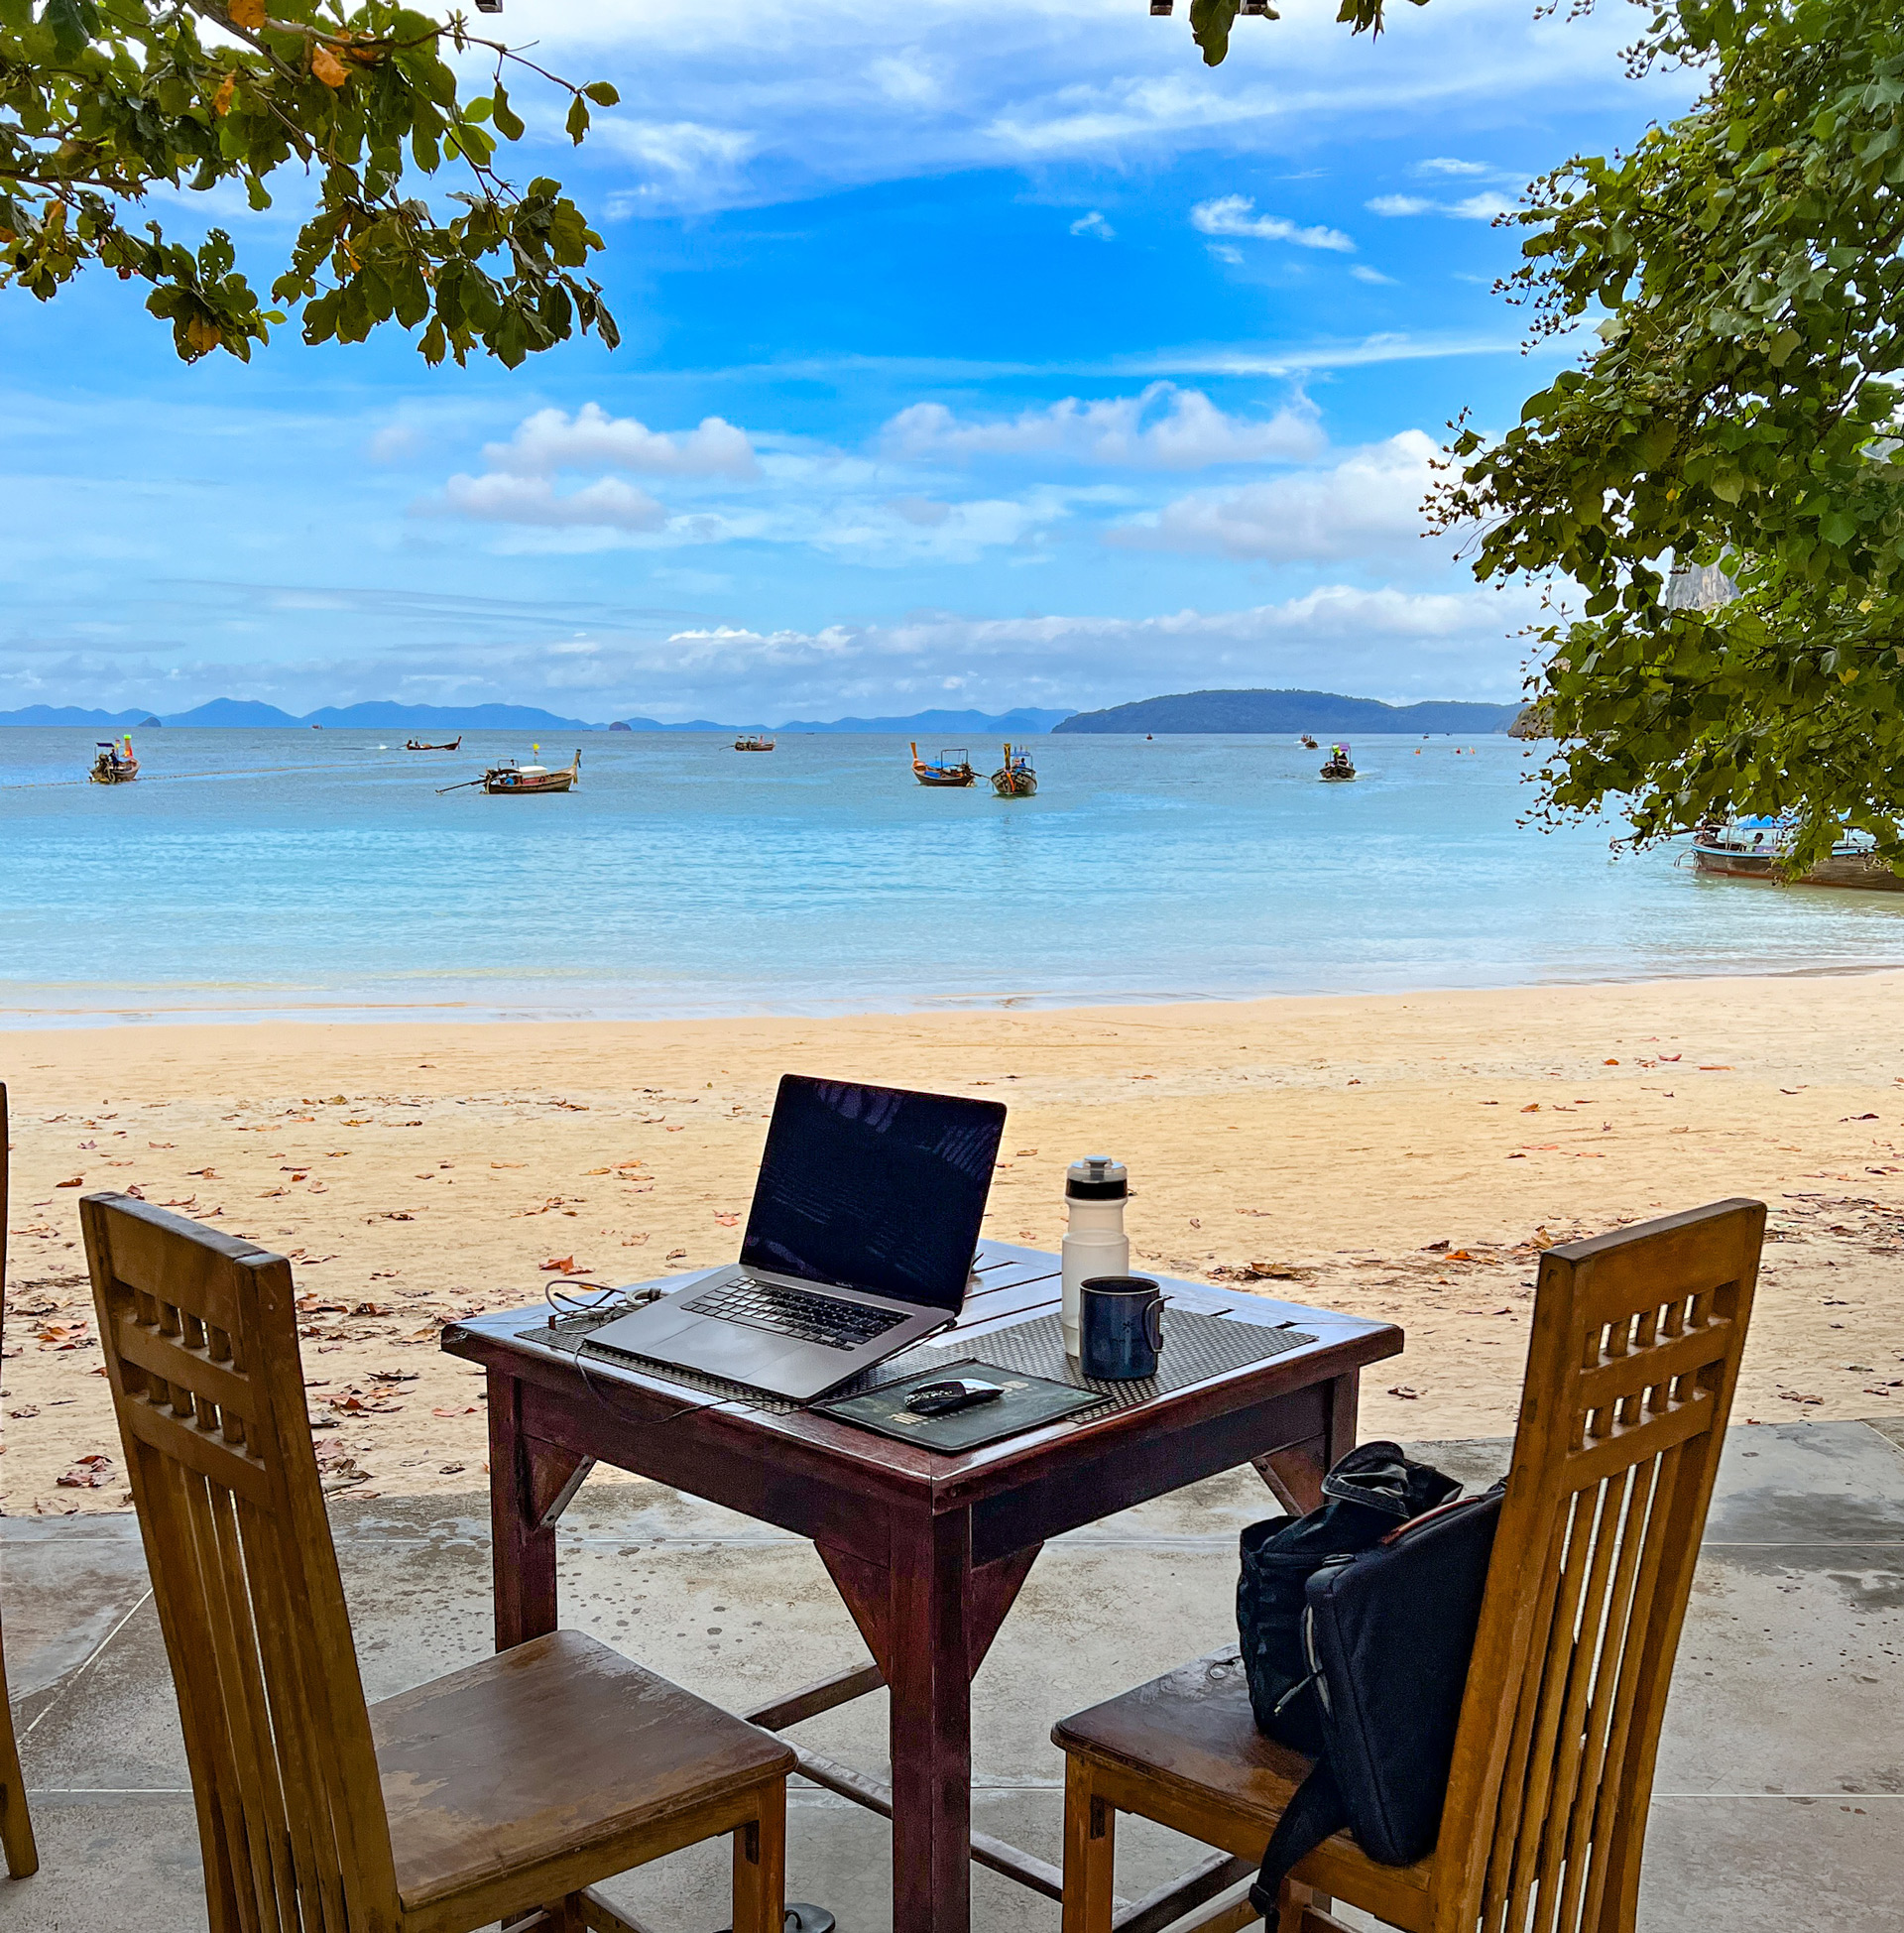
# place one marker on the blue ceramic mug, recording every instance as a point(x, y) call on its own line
point(1121, 1328)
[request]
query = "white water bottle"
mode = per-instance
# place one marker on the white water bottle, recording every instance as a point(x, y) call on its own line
point(1095, 1244)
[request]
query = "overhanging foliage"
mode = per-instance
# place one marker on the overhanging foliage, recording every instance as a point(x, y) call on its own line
point(1742, 408)
point(103, 101)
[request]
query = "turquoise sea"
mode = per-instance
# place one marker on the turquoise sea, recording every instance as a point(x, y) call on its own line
point(280, 872)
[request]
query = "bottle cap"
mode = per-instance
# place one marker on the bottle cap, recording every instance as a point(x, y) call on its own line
point(1096, 1178)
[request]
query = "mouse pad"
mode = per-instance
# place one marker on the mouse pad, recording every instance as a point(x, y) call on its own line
point(1029, 1402)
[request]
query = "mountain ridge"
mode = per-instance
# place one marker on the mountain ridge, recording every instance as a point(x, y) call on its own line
point(390, 716)
point(1219, 712)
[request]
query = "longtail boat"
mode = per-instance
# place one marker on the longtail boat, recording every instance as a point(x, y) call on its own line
point(1340, 766)
point(111, 766)
point(509, 779)
point(1016, 779)
point(416, 745)
point(954, 766)
point(1309, 744)
point(1756, 849)
point(753, 742)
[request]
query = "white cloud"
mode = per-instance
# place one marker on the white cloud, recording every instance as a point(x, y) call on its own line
point(1369, 502)
point(1362, 273)
point(1482, 206)
point(1446, 164)
point(1094, 224)
point(551, 440)
point(1224, 252)
point(1162, 428)
point(395, 442)
point(1385, 642)
point(745, 107)
point(1232, 215)
point(498, 498)
point(686, 163)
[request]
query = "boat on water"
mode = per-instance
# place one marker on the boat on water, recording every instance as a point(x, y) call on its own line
point(416, 745)
point(1309, 744)
point(1340, 768)
point(1017, 778)
point(1757, 848)
point(753, 742)
point(954, 766)
point(113, 766)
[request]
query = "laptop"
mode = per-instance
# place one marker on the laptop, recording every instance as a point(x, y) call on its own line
point(860, 1243)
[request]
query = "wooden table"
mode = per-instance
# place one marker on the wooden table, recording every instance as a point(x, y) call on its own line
point(928, 1551)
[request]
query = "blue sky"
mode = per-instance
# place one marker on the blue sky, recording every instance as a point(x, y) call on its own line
point(974, 354)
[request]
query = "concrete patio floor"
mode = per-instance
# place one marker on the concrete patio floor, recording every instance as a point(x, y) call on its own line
point(1780, 1799)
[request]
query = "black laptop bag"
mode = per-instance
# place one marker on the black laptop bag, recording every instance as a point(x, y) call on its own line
point(1370, 1492)
point(1388, 1634)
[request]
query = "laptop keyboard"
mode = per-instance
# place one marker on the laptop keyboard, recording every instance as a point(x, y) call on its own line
point(794, 1312)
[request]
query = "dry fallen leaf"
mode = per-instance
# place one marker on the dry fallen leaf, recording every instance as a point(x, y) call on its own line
point(467, 1409)
point(1407, 1394)
point(561, 1265)
point(675, 1254)
point(77, 1182)
point(90, 1473)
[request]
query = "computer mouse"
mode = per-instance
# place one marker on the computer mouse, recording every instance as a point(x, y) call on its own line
point(957, 1393)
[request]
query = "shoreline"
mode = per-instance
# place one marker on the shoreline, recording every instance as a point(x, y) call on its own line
point(1397, 1154)
point(457, 1013)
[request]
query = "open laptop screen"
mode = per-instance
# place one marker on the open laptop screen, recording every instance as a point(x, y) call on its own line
point(874, 1188)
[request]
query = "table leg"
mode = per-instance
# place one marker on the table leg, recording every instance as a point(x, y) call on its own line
point(930, 1683)
point(1295, 1473)
point(524, 1477)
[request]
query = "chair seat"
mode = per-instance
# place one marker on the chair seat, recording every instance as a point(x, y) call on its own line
point(544, 1753)
point(1191, 1735)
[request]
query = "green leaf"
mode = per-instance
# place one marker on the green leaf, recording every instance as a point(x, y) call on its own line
point(577, 123)
point(509, 123)
point(73, 24)
point(602, 94)
point(1210, 24)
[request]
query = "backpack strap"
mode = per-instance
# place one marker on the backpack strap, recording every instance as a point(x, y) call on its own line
point(1315, 1810)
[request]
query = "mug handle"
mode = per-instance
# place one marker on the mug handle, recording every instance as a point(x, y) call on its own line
point(1153, 1322)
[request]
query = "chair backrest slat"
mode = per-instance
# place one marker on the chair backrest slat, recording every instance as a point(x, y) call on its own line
point(200, 1342)
point(1630, 1373)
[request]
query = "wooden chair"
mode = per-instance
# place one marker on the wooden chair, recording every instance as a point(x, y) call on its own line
point(1631, 1372)
point(16, 1829)
point(501, 1790)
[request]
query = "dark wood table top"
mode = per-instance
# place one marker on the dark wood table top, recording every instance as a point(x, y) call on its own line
point(1019, 1284)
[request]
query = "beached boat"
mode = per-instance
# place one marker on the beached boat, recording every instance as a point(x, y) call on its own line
point(416, 745)
point(510, 780)
point(111, 766)
point(954, 768)
point(1016, 779)
point(1340, 766)
point(753, 742)
point(1756, 848)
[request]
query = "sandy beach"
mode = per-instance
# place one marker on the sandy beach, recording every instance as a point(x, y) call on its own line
point(1401, 1155)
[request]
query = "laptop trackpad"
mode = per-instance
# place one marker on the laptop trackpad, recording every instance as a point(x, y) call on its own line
point(728, 1349)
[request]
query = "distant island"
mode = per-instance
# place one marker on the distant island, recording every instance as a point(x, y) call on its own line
point(249, 714)
point(1320, 712)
